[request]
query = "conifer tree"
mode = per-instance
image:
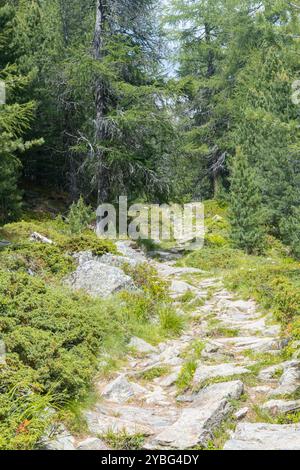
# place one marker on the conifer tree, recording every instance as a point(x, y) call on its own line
point(246, 207)
point(15, 118)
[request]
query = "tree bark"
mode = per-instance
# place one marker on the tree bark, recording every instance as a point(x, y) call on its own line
point(100, 100)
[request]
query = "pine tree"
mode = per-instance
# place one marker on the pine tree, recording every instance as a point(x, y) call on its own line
point(15, 119)
point(246, 207)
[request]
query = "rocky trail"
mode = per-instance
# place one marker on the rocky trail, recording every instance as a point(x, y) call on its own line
point(230, 383)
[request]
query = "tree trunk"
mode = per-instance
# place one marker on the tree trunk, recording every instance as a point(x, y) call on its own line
point(100, 100)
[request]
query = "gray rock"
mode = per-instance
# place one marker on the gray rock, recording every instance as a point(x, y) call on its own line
point(62, 441)
point(126, 248)
point(99, 280)
point(37, 237)
point(92, 443)
point(197, 422)
point(241, 414)
point(260, 389)
point(170, 379)
point(117, 261)
point(253, 343)
point(120, 390)
point(166, 270)
point(2, 352)
point(290, 380)
point(83, 257)
point(181, 287)
point(275, 407)
point(261, 436)
point(268, 374)
point(141, 346)
point(131, 419)
point(204, 372)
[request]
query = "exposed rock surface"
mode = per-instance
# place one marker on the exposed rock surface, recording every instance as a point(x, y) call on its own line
point(120, 390)
point(241, 414)
point(99, 280)
point(37, 237)
point(194, 426)
point(2, 352)
point(204, 372)
point(91, 443)
point(276, 407)
point(61, 441)
point(290, 380)
point(261, 436)
point(135, 403)
point(141, 346)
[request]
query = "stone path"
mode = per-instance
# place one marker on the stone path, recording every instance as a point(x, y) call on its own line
point(232, 331)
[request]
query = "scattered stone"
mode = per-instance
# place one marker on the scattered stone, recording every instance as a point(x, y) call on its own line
point(181, 287)
point(141, 346)
point(130, 419)
point(83, 257)
point(117, 261)
point(126, 248)
point(120, 390)
point(261, 389)
point(4, 243)
point(241, 414)
point(164, 255)
point(276, 407)
point(261, 436)
point(2, 352)
point(253, 343)
point(196, 422)
point(92, 443)
point(170, 379)
point(166, 270)
point(268, 374)
point(204, 372)
point(37, 237)
point(290, 380)
point(99, 280)
point(60, 441)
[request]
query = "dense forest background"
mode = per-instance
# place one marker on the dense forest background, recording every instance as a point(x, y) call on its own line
point(162, 101)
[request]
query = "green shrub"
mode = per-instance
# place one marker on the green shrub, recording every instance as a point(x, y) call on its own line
point(88, 241)
point(213, 240)
point(42, 259)
point(80, 216)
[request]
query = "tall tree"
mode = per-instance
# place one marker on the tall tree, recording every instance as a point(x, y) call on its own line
point(15, 116)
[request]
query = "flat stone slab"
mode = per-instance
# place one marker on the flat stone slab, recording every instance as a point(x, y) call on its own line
point(253, 343)
point(99, 280)
point(261, 436)
point(204, 372)
point(249, 326)
point(196, 422)
point(130, 419)
point(62, 441)
point(92, 443)
point(166, 270)
point(290, 380)
point(141, 346)
point(117, 261)
point(277, 407)
point(179, 288)
point(126, 248)
point(121, 390)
